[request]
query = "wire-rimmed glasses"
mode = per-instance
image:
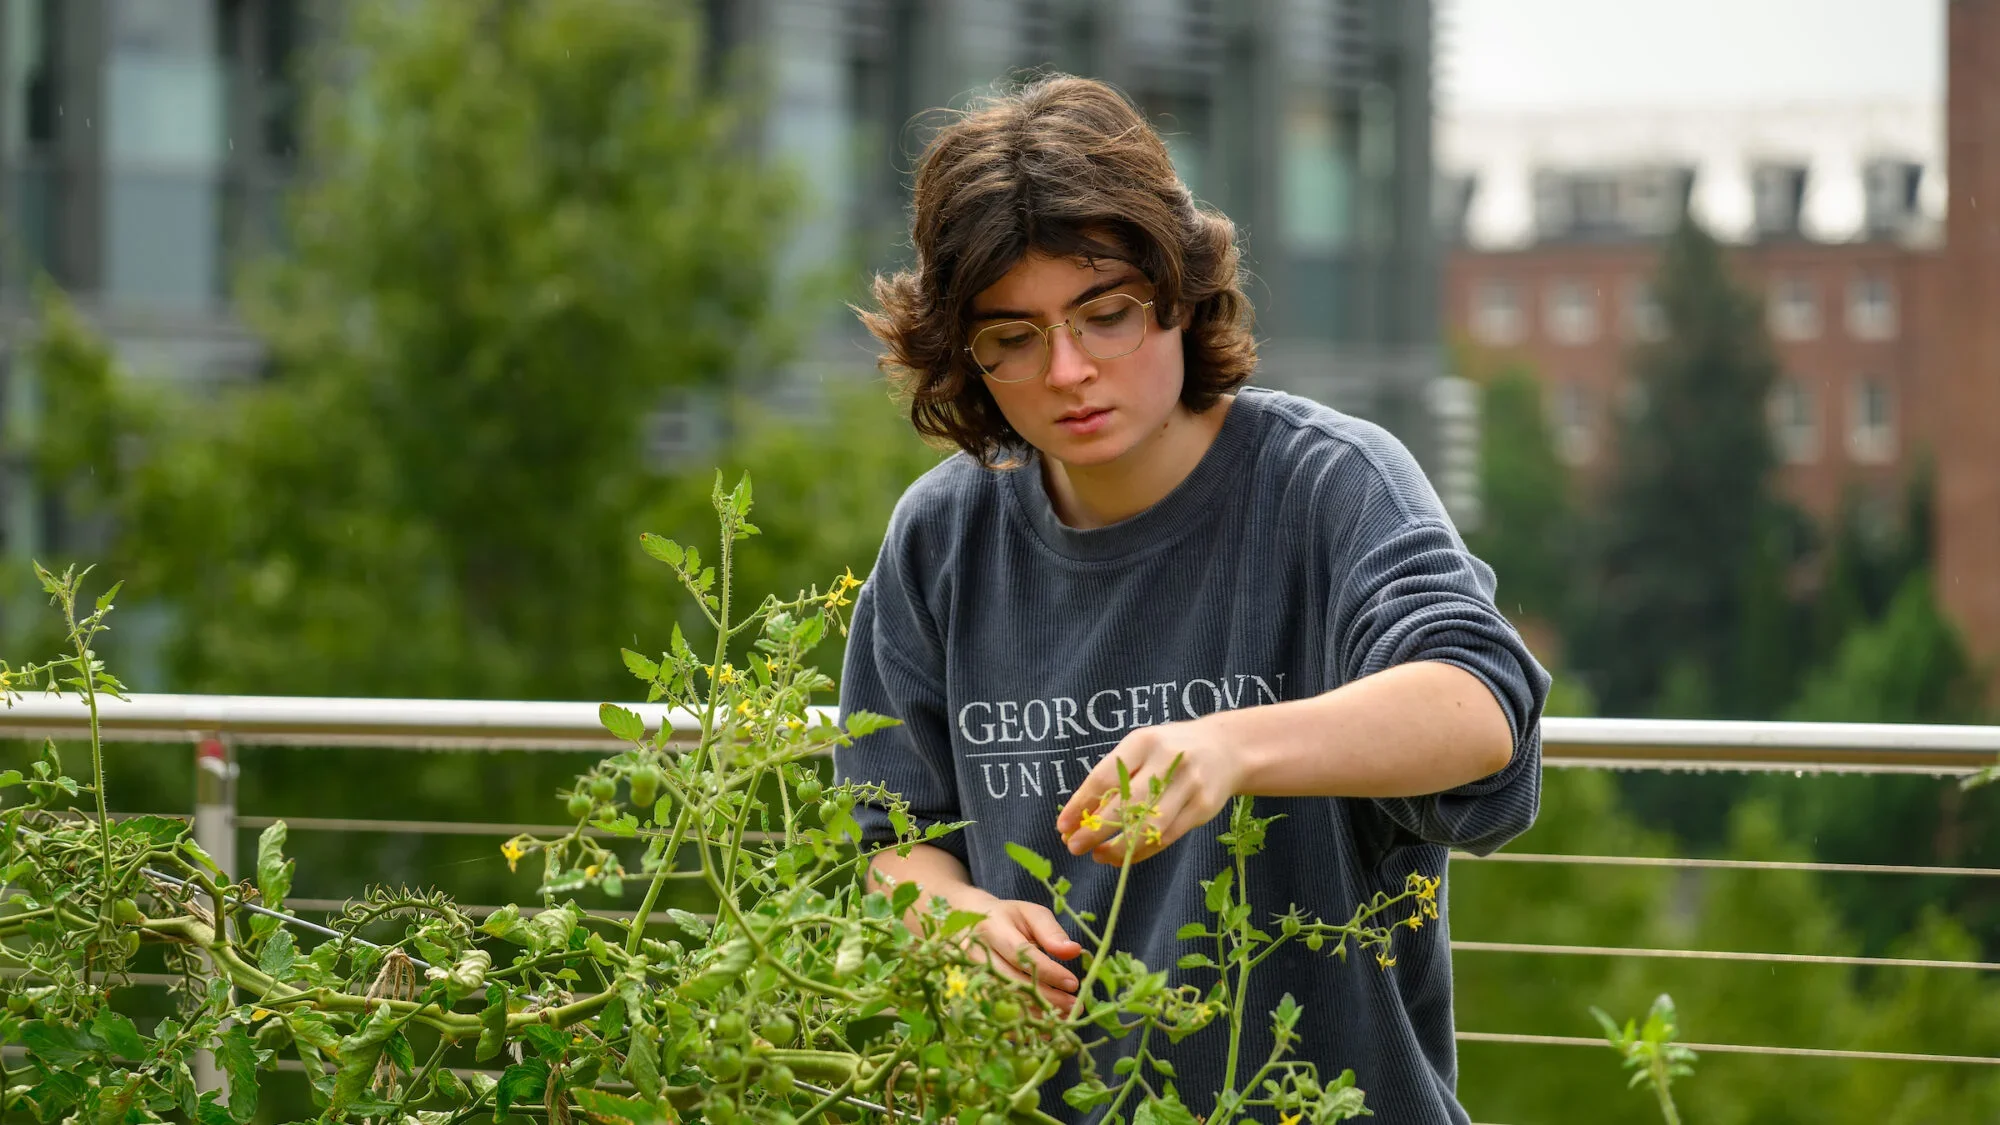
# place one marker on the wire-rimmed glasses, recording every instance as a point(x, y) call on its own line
point(1104, 327)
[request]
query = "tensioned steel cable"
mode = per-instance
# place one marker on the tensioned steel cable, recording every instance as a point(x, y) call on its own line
point(1732, 1049)
point(1727, 864)
point(1716, 955)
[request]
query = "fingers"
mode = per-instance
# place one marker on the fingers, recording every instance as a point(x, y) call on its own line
point(1020, 950)
point(1048, 933)
point(1149, 839)
point(1040, 974)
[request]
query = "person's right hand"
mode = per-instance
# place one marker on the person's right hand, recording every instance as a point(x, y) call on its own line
point(1013, 929)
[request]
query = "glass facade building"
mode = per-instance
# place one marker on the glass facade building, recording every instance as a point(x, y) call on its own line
point(1307, 121)
point(143, 144)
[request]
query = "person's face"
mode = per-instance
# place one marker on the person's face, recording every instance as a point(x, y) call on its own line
point(1082, 411)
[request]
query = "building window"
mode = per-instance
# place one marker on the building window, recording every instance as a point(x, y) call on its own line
point(1575, 435)
point(1795, 422)
point(1496, 312)
point(1570, 314)
point(1871, 308)
point(1794, 312)
point(1871, 429)
point(1645, 319)
point(1318, 178)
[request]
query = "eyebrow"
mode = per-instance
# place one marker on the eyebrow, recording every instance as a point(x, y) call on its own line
point(1098, 290)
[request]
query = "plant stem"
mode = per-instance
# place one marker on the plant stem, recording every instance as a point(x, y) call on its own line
point(82, 640)
point(1241, 991)
point(417, 1083)
point(1104, 945)
point(1660, 1081)
point(721, 619)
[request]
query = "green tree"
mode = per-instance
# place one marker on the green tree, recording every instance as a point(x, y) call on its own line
point(1684, 519)
point(520, 226)
point(1528, 531)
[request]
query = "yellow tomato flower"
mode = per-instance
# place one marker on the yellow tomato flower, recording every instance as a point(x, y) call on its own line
point(1384, 960)
point(513, 851)
point(1092, 821)
point(954, 983)
point(1152, 834)
point(590, 872)
point(1290, 1119)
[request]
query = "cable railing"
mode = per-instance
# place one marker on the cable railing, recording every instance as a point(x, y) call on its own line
point(216, 726)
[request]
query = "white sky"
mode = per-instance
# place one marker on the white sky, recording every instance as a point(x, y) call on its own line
point(1571, 54)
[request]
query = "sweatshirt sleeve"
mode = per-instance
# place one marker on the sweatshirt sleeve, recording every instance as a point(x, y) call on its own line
point(1413, 592)
point(890, 668)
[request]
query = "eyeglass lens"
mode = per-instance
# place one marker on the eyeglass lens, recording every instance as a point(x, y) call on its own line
point(1108, 327)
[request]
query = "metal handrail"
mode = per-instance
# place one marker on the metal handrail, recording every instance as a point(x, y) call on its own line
point(467, 724)
point(220, 722)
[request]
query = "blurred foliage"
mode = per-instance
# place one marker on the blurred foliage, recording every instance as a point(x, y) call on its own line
point(1912, 1010)
point(1683, 528)
point(1529, 525)
point(524, 226)
point(1687, 587)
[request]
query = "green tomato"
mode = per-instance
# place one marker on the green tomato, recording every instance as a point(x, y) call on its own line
point(969, 1092)
point(1024, 1067)
point(1289, 926)
point(829, 812)
point(991, 1119)
point(603, 787)
point(19, 1003)
point(810, 790)
point(125, 912)
point(1006, 1011)
point(783, 1118)
point(780, 1030)
point(1314, 941)
point(730, 1026)
point(779, 1079)
point(646, 785)
point(728, 1064)
point(580, 804)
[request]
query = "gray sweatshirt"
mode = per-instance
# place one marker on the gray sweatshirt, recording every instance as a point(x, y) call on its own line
point(1305, 550)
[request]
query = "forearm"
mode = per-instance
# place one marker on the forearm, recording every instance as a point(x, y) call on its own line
point(936, 871)
point(1407, 731)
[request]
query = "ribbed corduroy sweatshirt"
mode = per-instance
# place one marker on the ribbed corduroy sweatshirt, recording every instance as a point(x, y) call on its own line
point(1304, 551)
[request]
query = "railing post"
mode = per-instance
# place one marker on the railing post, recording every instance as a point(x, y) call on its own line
point(214, 833)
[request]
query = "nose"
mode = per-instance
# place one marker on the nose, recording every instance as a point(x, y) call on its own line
point(1069, 364)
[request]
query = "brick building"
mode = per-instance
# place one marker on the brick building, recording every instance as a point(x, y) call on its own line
point(1846, 323)
point(1967, 363)
point(1886, 332)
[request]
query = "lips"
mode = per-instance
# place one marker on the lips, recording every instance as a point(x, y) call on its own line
point(1084, 420)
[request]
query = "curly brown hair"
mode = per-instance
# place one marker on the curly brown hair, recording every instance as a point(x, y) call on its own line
point(1065, 167)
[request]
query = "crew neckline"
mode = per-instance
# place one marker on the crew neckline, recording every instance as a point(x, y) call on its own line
point(1180, 510)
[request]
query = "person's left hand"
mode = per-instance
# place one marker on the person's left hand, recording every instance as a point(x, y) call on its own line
point(1207, 776)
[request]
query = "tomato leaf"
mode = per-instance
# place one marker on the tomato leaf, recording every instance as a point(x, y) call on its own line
point(1029, 860)
point(520, 1084)
point(621, 723)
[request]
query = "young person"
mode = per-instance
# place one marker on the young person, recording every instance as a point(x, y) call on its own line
point(1136, 557)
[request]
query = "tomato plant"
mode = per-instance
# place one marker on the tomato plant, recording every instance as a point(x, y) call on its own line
point(813, 990)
